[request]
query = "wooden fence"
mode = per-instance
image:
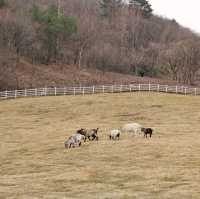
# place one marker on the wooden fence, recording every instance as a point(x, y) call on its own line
point(98, 89)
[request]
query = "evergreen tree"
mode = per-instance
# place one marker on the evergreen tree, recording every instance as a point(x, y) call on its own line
point(54, 28)
point(2, 3)
point(109, 7)
point(143, 5)
point(104, 5)
point(37, 14)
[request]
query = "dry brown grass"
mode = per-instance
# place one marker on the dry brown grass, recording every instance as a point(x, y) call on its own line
point(34, 163)
point(38, 76)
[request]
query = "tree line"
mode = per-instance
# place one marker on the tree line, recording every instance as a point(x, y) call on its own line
point(110, 35)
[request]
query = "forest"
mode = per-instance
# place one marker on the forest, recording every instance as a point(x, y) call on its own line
point(107, 35)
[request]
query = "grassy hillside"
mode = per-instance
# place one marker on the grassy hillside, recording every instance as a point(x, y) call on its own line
point(32, 76)
point(34, 163)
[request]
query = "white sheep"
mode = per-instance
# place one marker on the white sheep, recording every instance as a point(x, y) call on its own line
point(114, 134)
point(132, 128)
point(74, 140)
point(71, 142)
point(78, 137)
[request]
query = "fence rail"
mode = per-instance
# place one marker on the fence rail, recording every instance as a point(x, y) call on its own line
point(98, 89)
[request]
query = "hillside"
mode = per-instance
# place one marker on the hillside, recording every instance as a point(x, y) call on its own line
point(37, 76)
point(43, 43)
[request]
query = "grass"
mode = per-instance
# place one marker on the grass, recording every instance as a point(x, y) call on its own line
point(35, 164)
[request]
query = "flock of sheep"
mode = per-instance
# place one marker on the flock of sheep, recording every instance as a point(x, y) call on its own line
point(92, 134)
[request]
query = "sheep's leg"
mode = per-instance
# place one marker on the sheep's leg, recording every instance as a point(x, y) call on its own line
point(79, 144)
point(87, 138)
point(94, 137)
point(135, 132)
point(72, 145)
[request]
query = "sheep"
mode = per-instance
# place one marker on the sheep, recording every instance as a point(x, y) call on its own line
point(132, 128)
point(90, 134)
point(147, 131)
point(114, 134)
point(70, 142)
point(82, 132)
point(74, 140)
point(78, 137)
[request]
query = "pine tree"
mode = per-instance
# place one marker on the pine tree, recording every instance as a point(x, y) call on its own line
point(2, 3)
point(108, 7)
point(54, 27)
point(147, 9)
point(104, 5)
point(142, 5)
point(37, 14)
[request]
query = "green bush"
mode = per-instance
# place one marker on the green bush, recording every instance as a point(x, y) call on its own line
point(144, 70)
point(37, 14)
point(2, 3)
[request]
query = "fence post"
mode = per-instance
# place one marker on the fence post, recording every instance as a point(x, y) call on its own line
point(112, 89)
point(166, 89)
point(149, 87)
point(83, 91)
point(176, 89)
point(6, 94)
point(93, 89)
point(74, 91)
point(139, 87)
point(55, 92)
point(130, 87)
point(158, 87)
point(45, 91)
point(120, 88)
point(15, 93)
point(195, 91)
point(25, 92)
point(103, 88)
point(185, 91)
point(35, 91)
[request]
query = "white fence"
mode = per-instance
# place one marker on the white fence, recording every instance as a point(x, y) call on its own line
point(98, 89)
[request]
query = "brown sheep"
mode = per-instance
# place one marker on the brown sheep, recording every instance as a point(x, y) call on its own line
point(147, 131)
point(90, 134)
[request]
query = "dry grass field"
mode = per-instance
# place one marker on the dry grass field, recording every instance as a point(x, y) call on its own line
point(34, 163)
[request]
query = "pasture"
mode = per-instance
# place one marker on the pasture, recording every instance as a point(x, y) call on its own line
point(35, 164)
